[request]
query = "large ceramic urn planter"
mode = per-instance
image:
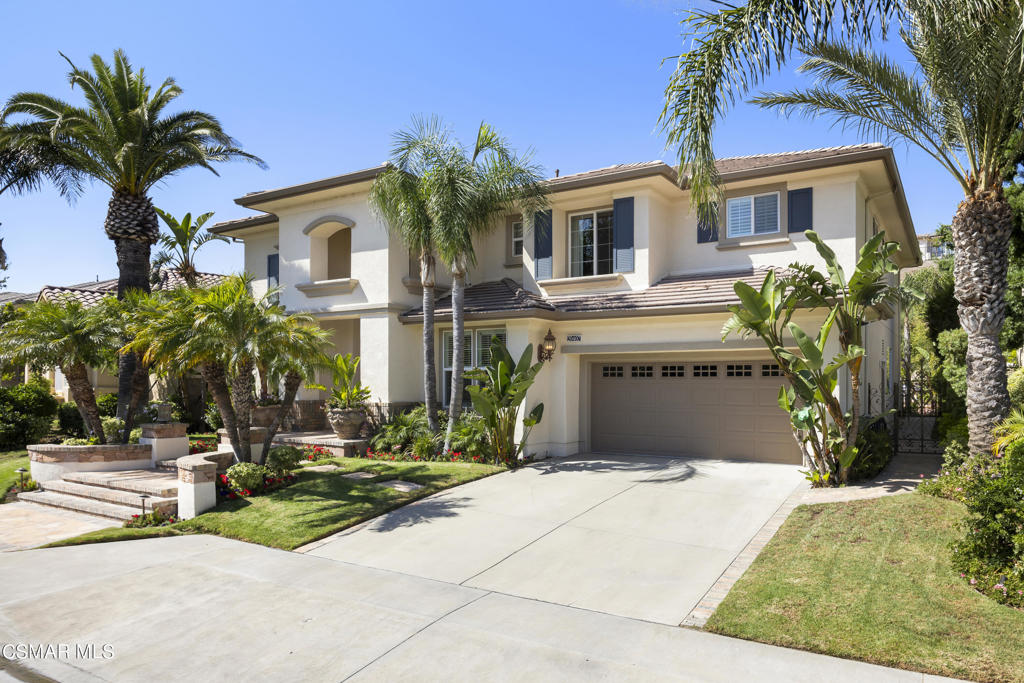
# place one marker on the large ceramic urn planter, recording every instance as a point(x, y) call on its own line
point(346, 422)
point(262, 416)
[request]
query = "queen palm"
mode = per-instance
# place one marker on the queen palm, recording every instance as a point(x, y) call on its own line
point(963, 105)
point(179, 246)
point(66, 335)
point(397, 196)
point(124, 138)
point(465, 192)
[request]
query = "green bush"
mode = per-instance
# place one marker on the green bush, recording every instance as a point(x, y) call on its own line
point(247, 476)
point(112, 428)
point(952, 345)
point(470, 435)
point(874, 449)
point(69, 420)
point(79, 441)
point(26, 414)
point(398, 433)
point(949, 426)
point(990, 556)
point(283, 459)
point(1015, 385)
point(107, 404)
point(425, 447)
point(213, 418)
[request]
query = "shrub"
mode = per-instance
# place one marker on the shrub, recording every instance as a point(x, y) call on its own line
point(952, 346)
point(470, 435)
point(69, 420)
point(212, 417)
point(1015, 385)
point(283, 459)
point(425, 447)
point(77, 441)
point(26, 414)
point(155, 518)
point(247, 476)
point(951, 425)
point(400, 431)
point(990, 556)
point(874, 449)
point(107, 405)
point(316, 453)
point(112, 428)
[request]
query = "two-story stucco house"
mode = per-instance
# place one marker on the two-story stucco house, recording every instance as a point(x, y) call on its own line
point(634, 292)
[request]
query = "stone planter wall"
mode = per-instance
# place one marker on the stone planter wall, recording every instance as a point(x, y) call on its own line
point(197, 481)
point(169, 440)
point(51, 461)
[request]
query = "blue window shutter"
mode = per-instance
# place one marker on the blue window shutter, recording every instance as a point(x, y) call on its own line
point(801, 209)
point(623, 234)
point(707, 230)
point(274, 267)
point(542, 261)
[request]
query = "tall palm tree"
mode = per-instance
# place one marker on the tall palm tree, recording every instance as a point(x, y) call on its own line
point(125, 139)
point(397, 197)
point(179, 248)
point(963, 106)
point(65, 335)
point(465, 192)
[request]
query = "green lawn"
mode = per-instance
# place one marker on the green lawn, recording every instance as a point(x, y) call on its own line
point(317, 505)
point(872, 580)
point(10, 461)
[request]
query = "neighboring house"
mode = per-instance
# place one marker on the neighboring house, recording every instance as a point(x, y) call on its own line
point(932, 247)
point(633, 290)
point(90, 294)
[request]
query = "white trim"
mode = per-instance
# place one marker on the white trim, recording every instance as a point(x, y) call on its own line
point(593, 213)
point(753, 216)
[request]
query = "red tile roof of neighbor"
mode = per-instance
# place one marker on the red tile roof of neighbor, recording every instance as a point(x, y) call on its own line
point(507, 298)
point(91, 293)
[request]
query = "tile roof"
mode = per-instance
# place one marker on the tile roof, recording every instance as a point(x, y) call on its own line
point(756, 161)
point(91, 293)
point(504, 297)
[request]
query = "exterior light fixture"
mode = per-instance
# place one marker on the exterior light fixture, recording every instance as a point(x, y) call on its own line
point(546, 349)
point(142, 499)
point(21, 473)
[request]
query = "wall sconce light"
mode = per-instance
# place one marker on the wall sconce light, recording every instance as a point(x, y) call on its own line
point(546, 349)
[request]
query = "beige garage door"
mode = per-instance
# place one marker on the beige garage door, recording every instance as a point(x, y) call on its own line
point(712, 409)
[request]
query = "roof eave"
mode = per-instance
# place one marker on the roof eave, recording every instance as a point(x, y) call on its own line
point(256, 198)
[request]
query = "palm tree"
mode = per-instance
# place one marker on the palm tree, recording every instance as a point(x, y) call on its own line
point(66, 335)
point(124, 139)
point(963, 106)
point(465, 191)
point(178, 249)
point(397, 196)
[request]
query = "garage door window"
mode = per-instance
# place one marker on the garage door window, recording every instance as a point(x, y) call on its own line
point(705, 371)
point(672, 371)
point(739, 370)
point(476, 351)
point(771, 370)
point(611, 371)
point(643, 371)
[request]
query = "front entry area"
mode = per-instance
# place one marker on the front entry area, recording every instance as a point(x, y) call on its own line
point(709, 409)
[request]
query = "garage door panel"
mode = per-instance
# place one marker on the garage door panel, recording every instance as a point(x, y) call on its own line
point(714, 410)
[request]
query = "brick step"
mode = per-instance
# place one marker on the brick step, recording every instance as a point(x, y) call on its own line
point(89, 506)
point(152, 482)
point(167, 465)
point(167, 506)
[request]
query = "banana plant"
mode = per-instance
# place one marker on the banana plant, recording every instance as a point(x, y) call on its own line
point(501, 390)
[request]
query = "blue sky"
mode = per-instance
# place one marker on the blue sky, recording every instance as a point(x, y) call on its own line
point(317, 89)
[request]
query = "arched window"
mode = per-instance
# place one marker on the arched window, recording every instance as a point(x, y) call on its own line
point(330, 248)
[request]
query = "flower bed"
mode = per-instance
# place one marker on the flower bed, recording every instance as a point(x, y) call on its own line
point(155, 518)
point(400, 456)
point(202, 444)
point(227, 491)
point(312, 453)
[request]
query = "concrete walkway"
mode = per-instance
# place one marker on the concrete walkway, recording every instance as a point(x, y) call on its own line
point(28, 525)
point(640, 537)
point(208, 608)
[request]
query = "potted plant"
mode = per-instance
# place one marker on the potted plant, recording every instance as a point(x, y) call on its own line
point(346, 407)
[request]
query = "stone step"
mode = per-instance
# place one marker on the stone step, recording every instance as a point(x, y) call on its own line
point(89, 506)
point(151, 482)
point(167, 465)
point(167, 506)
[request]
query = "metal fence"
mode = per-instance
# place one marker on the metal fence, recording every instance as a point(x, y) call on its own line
point(920, 399)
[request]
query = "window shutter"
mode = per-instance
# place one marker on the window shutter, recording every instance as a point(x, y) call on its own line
point(622, 228)
point(542, 261)
point(274, 267)
point(801, 211)
point(485, 339)
point(707, 230)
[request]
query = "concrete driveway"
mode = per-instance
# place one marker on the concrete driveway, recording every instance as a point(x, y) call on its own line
point(639, 537)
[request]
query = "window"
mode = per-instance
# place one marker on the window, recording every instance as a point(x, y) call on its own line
point(590, 243)
point(611, 371)
point(771, 370)
point(476, 351)
point(752, 215)
point(643, 371)
point(672, 371)
point(705, 371)
point(274, 268)
point(517, 239)
point(739, 370)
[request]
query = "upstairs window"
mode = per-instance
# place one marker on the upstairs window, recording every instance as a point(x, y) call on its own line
point(517, 239)
point(591, 239)
point(752, 215)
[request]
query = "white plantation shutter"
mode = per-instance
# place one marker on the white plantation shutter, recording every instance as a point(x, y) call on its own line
point(766, 214)
point(484, 339)
point(467, 351)
point(739, 217)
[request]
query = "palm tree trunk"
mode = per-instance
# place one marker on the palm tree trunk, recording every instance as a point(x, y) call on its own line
point(851, 435)
point(85, 398)
point(243, 385)
point(982, 228)
point(429, 368)
point(140, 390)
point(458, 334)
point(132, 224)
point(217, 383)
point(292, 381)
